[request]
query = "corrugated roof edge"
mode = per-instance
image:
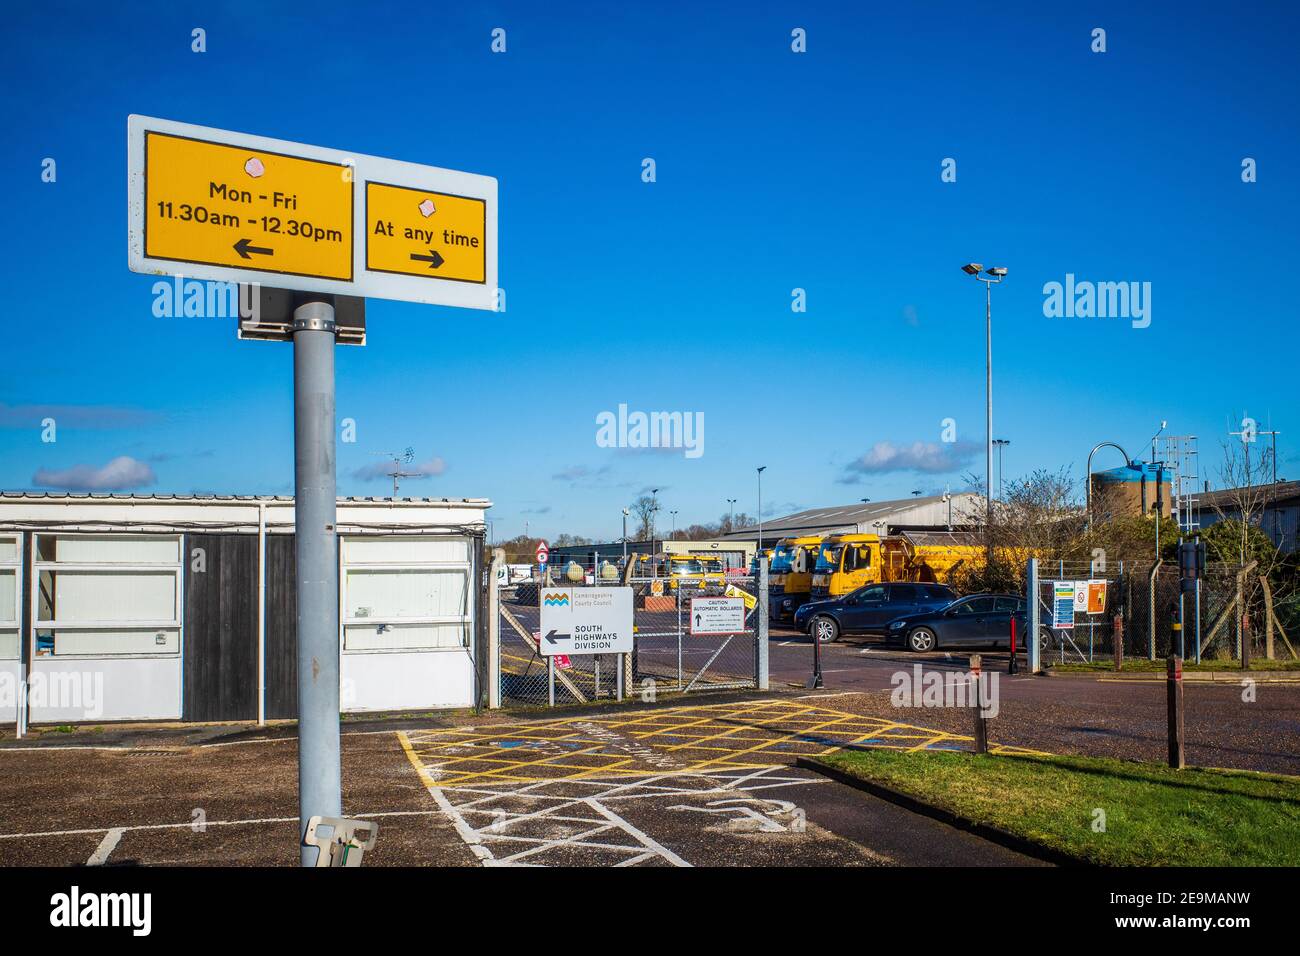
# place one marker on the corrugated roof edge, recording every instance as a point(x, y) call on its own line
point(110, 496)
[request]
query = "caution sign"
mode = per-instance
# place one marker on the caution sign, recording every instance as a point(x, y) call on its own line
point(1097, 597)
point(211, 203)
point(717, 615)
point(586, 621)
point(423, 233)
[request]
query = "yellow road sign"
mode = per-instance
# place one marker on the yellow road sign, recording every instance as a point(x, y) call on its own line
point(222, 206)
point(423, 233)
point(216, 204)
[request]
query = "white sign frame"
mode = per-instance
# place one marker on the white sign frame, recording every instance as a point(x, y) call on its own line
point(429, 290)
point(609, 608)
point(721, 613)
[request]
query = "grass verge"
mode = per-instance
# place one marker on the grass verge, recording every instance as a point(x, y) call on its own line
point(1153, 816)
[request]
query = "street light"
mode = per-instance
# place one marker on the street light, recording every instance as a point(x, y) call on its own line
point(762, 468)
point(1001, 443)
point(990, 277)
point(731, 520)
point(654, 508)
point(673, 536)
point(626, 512)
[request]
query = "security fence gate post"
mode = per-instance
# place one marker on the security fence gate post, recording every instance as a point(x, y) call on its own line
point(1032, 643)
point(317, 569)
point(760, 630)
point(494, 628)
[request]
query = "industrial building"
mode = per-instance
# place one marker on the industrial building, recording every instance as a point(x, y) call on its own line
point(922, 513)
point(1277, 505)
point(174, 607)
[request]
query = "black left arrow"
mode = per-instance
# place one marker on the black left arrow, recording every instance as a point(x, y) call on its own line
point(434, 258)
point(555, 638)
point(243, 248)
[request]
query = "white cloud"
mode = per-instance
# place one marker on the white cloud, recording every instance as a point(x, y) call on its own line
point(934, 458)
point(121, 473)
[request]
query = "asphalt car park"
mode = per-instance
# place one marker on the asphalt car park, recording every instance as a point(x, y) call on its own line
point(662, 786)
point(1241, 724)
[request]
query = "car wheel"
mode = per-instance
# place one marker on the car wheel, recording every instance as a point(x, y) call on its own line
point(825, 629)
point(922, 639)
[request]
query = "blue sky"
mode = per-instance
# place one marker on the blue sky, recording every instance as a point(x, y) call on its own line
point(775, 171)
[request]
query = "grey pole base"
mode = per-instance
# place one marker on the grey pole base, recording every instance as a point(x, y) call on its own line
point(320, 776)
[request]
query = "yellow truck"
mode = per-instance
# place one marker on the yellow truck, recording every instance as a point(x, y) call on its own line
point(694, 574)
point(790, 578)
point(845, 562)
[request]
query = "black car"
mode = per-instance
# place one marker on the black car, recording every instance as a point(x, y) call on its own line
point(978, 620)
point(869, 609)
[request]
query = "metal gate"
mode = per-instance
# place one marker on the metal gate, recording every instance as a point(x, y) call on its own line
point(667, 658)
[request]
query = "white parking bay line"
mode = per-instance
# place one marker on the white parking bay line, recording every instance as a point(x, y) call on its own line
point(106, 846)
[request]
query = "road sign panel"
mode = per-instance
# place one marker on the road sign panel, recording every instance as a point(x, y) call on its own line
point(425, 233)
point(586, 621)
point(717, 615)
point(231, 207)
point(210, 203)
point(543, 554)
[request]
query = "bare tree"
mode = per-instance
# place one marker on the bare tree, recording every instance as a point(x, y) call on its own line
point(643, 510)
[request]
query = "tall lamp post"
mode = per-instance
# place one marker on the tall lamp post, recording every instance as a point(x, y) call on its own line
point(1001, 443)
point(762, 468)
point(654, 508)
point(731, 519)
point(673, 536)
point(626, 512)
point(989, 277)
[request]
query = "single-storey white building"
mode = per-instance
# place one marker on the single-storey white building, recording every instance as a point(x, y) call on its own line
point(175, 607)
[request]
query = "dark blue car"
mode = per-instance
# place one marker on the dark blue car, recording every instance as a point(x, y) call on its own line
point(982, 620)
point(869, 609)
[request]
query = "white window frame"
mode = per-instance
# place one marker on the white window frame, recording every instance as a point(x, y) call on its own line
point(175, 624)
point(465, 620)
point(16, 565)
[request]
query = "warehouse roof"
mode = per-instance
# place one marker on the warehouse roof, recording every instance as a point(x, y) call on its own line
point(85, 495)
point(923, 511)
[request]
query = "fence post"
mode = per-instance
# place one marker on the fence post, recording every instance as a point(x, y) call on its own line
point(1151, 608)
point(1034, 617)
point(1174, 699)
point(1118, 633)
point(760, 630)
point(977, 710)
point(494, 630)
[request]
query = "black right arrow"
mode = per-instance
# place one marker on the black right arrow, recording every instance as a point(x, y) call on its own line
point(434, 259)
point(243, 248)
point(552, 636)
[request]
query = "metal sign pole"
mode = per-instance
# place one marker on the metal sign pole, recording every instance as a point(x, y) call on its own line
point(317, 570)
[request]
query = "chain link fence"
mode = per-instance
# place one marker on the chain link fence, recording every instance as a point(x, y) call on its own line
point(667, 658)
point(1142, 603)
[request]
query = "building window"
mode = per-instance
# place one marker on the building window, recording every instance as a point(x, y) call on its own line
point(107, 595)
point(11, 552)
point(405, 593)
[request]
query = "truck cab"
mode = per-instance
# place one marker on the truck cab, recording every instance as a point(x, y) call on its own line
point(845, 562)
point(790, 583)
point(694, 574)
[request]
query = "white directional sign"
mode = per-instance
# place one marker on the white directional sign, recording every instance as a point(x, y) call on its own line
point(717, 615)
point(586, 621)
point(231, 207)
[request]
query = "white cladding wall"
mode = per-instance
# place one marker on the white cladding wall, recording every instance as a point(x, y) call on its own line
point(407, 623)
point(112, 637)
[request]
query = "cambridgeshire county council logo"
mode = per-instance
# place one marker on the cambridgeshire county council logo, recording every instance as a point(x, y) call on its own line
point(556, 600)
